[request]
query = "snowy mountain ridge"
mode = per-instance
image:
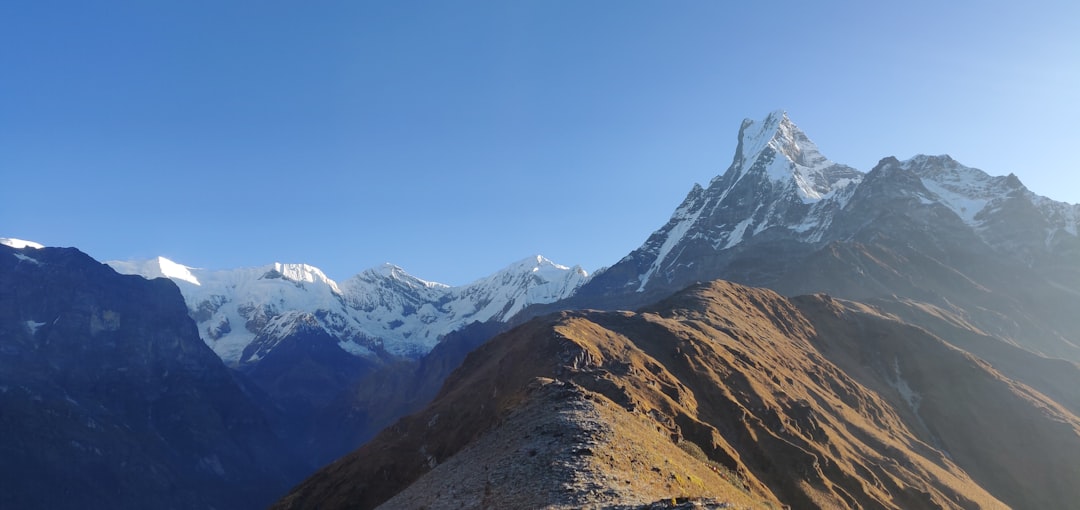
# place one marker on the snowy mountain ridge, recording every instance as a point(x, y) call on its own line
point(383, 311)
point(780, 189)
point(773, 159)
point(964, 190)
point(976, 196)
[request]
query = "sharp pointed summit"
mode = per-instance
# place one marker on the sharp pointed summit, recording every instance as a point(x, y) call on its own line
point(781, 201)
point(779, 187)
point(777, 150)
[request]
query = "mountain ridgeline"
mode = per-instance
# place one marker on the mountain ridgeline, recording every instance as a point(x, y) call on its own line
point(945, 377)
point(928, 230)
point(799, 333)
point(813, 403)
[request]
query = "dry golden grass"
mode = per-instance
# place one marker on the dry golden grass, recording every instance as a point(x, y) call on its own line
point(784, 399)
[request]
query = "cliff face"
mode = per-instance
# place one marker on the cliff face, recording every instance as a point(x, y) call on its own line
point(814, 403)
point(110, 399)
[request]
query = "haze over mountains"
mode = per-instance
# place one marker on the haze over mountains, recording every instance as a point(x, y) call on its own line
point(925, 357)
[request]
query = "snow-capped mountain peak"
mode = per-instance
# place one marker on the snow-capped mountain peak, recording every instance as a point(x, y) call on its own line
point(529, 281)
point(778, 183)
point(965, 190)
point(981, 200)
point(157, 267)
point(301, 273)
point(541, 264)
point(777, 149)
point(782, 198)
point(394, 272)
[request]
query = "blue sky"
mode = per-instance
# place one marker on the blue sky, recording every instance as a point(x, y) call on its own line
point(453, 138)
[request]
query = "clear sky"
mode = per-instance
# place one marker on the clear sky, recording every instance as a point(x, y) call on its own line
point(453, 138)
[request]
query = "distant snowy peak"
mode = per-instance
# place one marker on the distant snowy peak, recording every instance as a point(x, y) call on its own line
point(393, 272)
point(975, 195)
point(390, 290)
point(158, 267)
point(964, 190)
point(381, 311)
point(541, 265)
point(1060, 214)
point(301, 273)
point(19, 244)
point(778, 150)
point(502, 295)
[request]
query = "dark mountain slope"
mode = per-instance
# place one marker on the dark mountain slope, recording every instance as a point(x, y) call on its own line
point(361, 410)
point(109, 399)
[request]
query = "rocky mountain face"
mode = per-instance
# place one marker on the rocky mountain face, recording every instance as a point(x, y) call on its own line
point(927, 230)
point(109, 398)
point(749, 398)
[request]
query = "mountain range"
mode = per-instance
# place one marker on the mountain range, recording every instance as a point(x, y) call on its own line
point(317, 347)
point(982, 250)
point(917, 348)
point(380, 313)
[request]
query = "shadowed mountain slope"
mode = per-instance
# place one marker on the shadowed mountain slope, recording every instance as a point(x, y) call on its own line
point(109, 399)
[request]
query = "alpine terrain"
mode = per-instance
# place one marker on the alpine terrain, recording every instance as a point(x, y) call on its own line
point(926, 238)
point(799, 334)
point(341, 361)
point(929, 359)
point(724, 394)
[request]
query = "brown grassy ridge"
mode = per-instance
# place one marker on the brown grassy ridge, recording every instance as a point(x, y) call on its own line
point(740, 375)
point(1020, 444)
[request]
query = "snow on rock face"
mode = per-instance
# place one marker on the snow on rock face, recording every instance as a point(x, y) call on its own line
point(976, 196)
point(1060, 215)
point(964, 190)
point(19, 244)
point(781, 189)
point(529, 281)
point(676, 230)
point(302, 273)
point(159, 267)
point(395, 305)
point(778, 179)
point(776, 147)
point(383, 309)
